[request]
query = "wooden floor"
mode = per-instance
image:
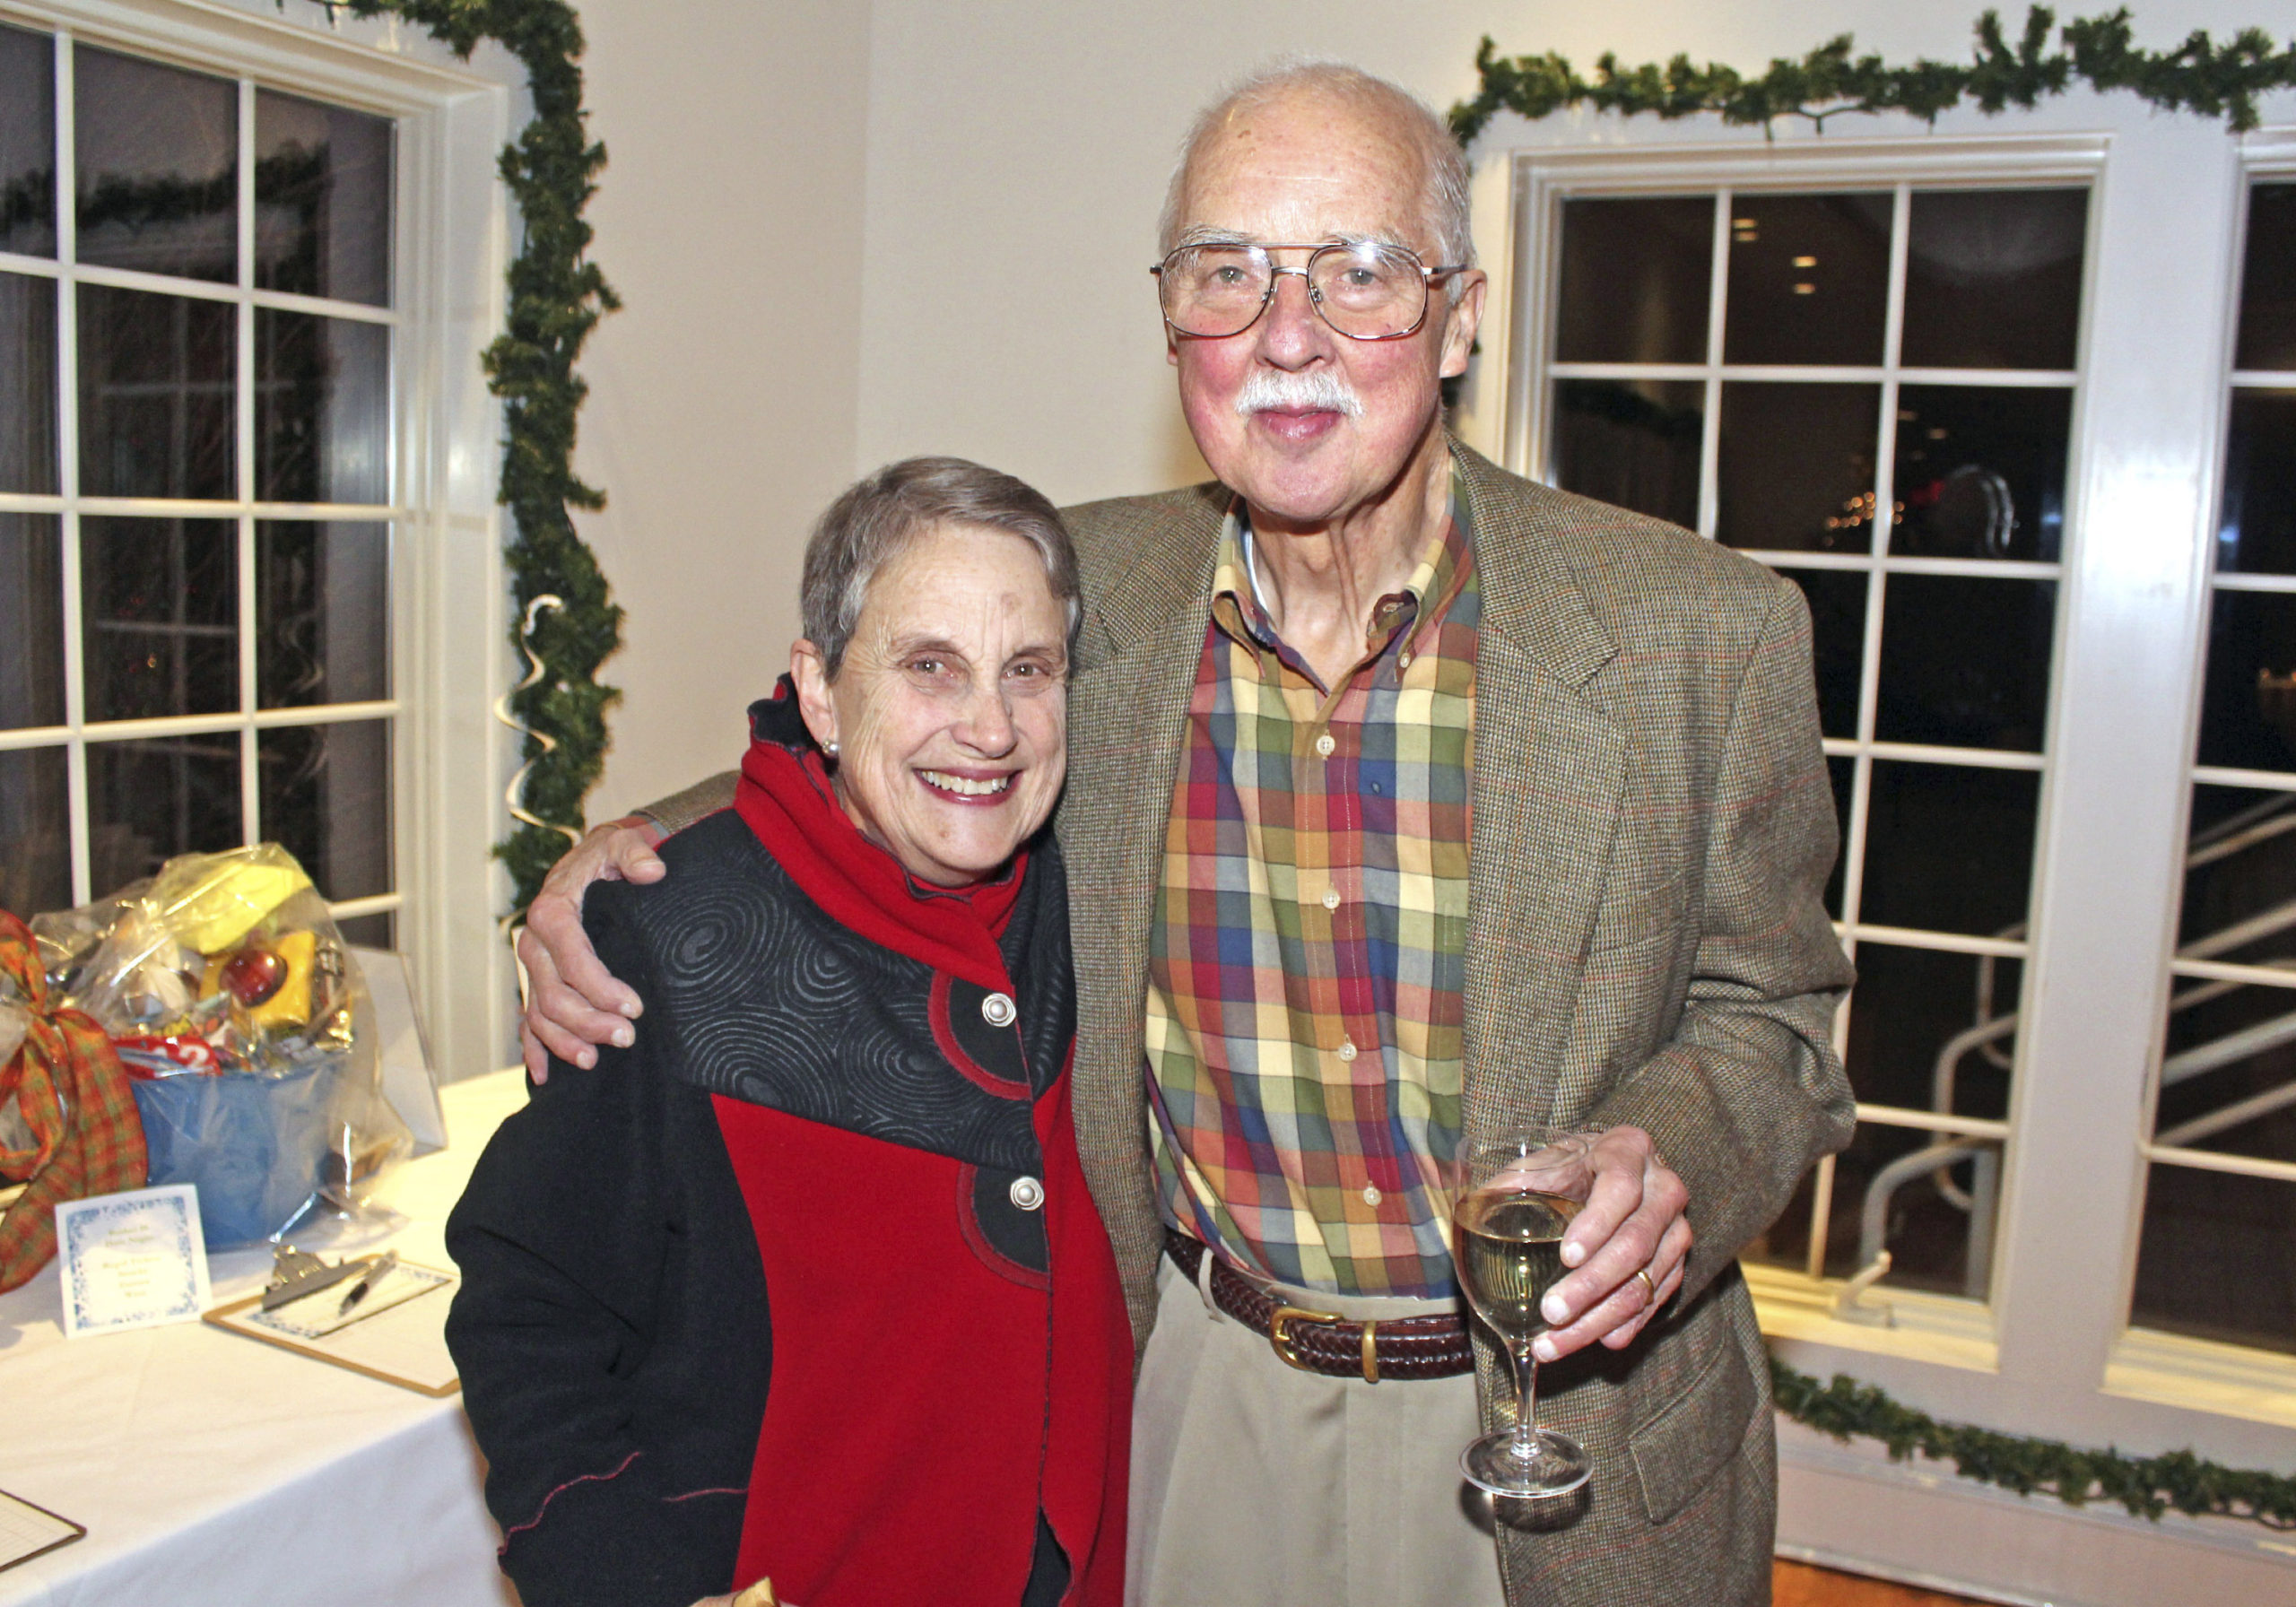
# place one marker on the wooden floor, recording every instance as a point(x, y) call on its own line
point(1798, 1585)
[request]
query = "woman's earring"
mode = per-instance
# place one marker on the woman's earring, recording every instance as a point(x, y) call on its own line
point(829, 748)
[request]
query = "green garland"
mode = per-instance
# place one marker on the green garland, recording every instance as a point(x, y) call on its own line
point(2199, 75)
point(2148, 1486)
point(556, 298)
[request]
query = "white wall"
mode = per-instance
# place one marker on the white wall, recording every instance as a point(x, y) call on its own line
point(722, 401)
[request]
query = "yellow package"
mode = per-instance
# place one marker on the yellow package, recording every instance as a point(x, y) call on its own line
point(212, 901)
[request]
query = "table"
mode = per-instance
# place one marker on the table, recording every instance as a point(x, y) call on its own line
point(211, 1468)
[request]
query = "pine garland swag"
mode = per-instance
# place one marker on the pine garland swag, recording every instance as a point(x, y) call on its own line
point(556, 296)
point(2199, 75)
point(2148, 1486)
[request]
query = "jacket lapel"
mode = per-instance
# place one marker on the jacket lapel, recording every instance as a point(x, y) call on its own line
point(1549, 774)
point(1128, 724)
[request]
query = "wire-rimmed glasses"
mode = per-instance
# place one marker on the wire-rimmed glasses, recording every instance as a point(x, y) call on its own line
point(1368, 290)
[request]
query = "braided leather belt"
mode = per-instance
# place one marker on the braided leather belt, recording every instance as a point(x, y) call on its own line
point(1316, 1341)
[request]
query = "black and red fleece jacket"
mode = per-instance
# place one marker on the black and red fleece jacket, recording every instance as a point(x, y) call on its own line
point(807, 1284)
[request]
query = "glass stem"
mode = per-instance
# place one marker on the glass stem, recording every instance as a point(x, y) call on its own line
point(1527, 1402)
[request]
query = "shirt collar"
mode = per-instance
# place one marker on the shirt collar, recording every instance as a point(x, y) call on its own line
point(1241, 606)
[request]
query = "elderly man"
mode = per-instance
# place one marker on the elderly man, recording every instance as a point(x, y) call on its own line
point(1408, 796)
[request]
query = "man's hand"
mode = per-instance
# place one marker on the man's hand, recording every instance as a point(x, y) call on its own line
point(572, 1001)
point(1628, 1246)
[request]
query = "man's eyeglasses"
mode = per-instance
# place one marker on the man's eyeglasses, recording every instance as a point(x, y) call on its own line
point(1368, 291)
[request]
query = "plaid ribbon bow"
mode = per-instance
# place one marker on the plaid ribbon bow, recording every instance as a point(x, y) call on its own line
point(87, 1138)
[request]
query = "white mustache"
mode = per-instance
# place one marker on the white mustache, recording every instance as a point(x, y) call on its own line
point(1316, 390)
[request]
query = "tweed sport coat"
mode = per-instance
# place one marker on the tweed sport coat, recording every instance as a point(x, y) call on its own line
point(1653, 828)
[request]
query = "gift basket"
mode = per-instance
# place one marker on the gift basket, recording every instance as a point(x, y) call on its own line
point(238, 1014)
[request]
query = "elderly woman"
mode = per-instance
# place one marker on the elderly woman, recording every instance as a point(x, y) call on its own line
point(806, 1286)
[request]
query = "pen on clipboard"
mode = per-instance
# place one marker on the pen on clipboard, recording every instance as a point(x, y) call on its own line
point(374, 1275)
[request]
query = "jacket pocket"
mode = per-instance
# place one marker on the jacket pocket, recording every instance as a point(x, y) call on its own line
point(1677, 1451)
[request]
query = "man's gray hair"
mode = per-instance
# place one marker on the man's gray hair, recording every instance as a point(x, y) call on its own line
point(1448, 174)
point(883, 514)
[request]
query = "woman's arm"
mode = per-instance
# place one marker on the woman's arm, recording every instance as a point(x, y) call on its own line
point(561, 1239)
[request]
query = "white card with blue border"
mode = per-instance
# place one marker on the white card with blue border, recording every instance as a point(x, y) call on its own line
point(133, 1260)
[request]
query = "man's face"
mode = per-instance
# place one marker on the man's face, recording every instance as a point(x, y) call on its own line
point(1307, 168)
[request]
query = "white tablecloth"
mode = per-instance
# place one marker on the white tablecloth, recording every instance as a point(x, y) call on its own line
point(211, 1468)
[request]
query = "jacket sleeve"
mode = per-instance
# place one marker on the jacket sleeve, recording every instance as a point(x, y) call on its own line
point(674, 813)
point(1749, 1092)
point(561, 1238)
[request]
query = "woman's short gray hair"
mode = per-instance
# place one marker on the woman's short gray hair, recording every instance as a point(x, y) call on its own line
point(881, 515)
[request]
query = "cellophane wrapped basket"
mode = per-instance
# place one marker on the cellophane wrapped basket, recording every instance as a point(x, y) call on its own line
point(238, 1010)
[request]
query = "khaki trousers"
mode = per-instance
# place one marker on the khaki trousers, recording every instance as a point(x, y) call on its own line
point(1257, 1485)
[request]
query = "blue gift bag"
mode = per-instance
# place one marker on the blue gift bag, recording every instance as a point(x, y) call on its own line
point(254, 1145)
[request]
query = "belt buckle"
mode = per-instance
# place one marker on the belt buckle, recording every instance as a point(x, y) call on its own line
point(1280, 1337)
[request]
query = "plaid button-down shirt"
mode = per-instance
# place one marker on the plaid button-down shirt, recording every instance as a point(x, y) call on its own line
point(1308, 958)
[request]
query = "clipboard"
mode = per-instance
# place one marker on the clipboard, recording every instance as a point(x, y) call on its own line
point(404, 1344)
point(26, 1531)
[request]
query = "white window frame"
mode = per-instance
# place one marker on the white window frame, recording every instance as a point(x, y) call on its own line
point(2052, 1353)
point(451, 242)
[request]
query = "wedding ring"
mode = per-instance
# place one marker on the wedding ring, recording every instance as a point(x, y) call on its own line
point(1643, 1272)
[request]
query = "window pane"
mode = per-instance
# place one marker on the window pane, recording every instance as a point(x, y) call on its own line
point(323, 200)
point(1949, 848)
point(2257, 534)
point(1993, 279)
point(2248, 714)
point(1809, 279)
point(31, 619)
point(1936, 1238)
point(1797, 466)
point(158, 151)
point(1631, 442)
point(1636, 275)
point(1980, 472)
point(160, 611)
point(1930, 1030)
point(155, 394)
point(2218, 1258)
point(2268, 281)
point(27, 142)
point(376, 931)
point(2239, 901)
point(326, 797)
point(1842, 773)
point(1837, 599)
point(322, 614)
point(35, 846)
point(321, 400)
point(2228, 1075)
point(149, 801)
point(27, 384)
point(1965, 661)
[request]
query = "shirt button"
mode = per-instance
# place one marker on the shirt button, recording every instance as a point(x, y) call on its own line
point(1347, 1050)
point(1371, 1195)
point(1331, 897)
point(997, 1010)
point(1402, 659)
point(1324, 745)
point(1027, 1193)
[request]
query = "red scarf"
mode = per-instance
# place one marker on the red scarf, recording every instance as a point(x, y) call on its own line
point(788, 802)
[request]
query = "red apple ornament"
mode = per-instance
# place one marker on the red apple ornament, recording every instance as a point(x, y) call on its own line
point(253, 974)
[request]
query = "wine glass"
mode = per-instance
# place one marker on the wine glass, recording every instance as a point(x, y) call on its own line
point(1513, 1196)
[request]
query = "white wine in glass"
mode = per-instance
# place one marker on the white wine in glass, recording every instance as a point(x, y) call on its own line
point(1514, 1199)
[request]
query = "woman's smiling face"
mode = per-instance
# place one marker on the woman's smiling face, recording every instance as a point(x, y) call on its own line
point(949, 714)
